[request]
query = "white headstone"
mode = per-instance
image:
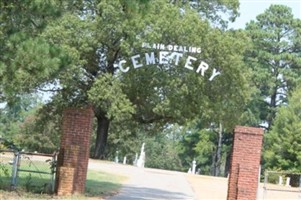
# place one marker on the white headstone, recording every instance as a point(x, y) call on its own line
point(280, 180)
point(141, 160)
point(116, 157)
point(136, 160)
point(193, 166)
point(287, 183)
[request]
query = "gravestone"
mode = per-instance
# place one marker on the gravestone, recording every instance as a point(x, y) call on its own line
point(141, 160)
point(193, 166)
point(280, 182)
point(116, 157)
point(287, 182)
point(135, 160)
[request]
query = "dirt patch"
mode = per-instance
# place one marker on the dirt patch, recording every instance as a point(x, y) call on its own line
point(208, 187)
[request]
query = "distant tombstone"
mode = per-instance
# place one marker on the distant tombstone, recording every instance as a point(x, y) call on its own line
point(189, 171)
point(116, 157)
point(136, 160)
point(280, 180)
point(193, 166)
point(288, 181)
point(141, 160)
point(124, 160)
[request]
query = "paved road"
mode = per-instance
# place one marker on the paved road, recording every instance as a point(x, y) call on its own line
point(147, 184)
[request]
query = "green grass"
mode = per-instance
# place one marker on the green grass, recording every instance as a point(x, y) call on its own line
point(98, 184)
point(103, 184)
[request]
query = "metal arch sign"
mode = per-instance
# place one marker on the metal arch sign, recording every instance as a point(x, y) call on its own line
point(168, 54)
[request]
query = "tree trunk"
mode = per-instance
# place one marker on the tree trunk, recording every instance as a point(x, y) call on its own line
point(101, 137)
point(218, 151)
point(227, 164)
point(273, 105)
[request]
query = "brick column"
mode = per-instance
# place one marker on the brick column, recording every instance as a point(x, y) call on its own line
point(244, 169)
point(73, 158)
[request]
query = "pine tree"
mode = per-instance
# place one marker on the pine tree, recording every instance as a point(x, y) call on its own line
point(283, 142)
point(274, 59)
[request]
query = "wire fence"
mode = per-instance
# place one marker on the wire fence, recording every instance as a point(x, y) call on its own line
point(33, 172)
point(282, 185)
point(6, 166)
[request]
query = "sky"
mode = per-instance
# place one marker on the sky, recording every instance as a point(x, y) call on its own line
point(249, 9)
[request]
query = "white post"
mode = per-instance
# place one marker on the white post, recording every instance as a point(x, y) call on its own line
point(287, 183)
point(124, 160)
point(116, 157)
point(193, 166)
point(141, 160)
point(258, 186)
point(280, 180)
point(136, 160)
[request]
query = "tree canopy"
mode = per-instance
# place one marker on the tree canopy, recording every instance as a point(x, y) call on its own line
point(274, 58)
point(126, 59)
point(282, 146)
point(75, 53)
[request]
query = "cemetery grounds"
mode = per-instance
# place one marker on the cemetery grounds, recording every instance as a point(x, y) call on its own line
point(106, 178)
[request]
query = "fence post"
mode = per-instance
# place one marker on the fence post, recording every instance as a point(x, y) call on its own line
point(53, 171)
point(299, 196)
point(266, 176)
point(15, 170)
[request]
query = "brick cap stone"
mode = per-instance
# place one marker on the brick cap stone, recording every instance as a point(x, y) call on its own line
point(248, 130)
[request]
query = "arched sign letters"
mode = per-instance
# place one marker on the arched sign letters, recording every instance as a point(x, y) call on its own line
point(168, 54)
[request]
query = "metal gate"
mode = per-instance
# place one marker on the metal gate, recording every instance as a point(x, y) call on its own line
point(35, 172)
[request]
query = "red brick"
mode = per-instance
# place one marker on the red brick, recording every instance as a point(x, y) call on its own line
point(74, 151)
point(244, 169)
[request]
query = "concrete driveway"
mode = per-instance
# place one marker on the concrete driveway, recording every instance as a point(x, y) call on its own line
point(155, 184)
point(147, 184)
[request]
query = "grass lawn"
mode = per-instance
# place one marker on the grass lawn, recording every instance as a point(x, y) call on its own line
point(103, 184)
point(98, 185)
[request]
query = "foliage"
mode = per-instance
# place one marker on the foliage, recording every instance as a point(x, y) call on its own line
point(215, 10)
point(3, 171)
point(21, 124)
point(161, 153)
point(24, 54)
point(201, 144)
point(282, 143)
point(74, 51)
point(107, 33)
point(274, 58)
point(35, 138)
point(107, 94)
point(98, 184)
point(14, 114)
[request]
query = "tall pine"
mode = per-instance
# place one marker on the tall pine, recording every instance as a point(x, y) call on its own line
point(274, 58)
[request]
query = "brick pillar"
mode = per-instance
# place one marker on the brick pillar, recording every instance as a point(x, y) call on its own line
point(244, 169)
point(73, 157)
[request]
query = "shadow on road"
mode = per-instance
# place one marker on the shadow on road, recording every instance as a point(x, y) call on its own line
point(143, 193)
